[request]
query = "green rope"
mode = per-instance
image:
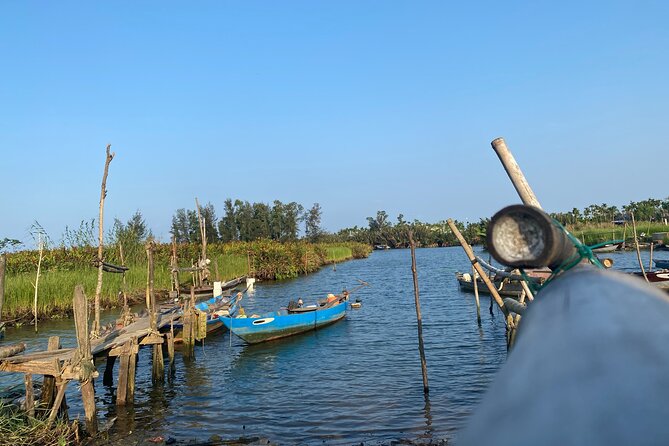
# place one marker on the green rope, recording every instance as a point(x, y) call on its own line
point(583, 252)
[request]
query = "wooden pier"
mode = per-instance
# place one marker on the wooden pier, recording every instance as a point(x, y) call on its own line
point(59, 366)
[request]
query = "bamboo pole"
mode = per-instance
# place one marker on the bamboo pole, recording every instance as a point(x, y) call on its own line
point(476, 295)
point(125, 293)
point(40, 244)
point(98, 288)
point(203, 234)
point(477, 267)
point(175, 266)
point(515, 174)
point(419, 317)
point(650, 262)
point(3, 266)
point(638, 251)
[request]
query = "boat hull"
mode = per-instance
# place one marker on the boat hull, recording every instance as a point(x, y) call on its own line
point(282, 324)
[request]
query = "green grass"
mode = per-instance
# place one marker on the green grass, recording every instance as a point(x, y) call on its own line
point(18, 429)
point(65, 269)
point(338, 253)
point(599, 233)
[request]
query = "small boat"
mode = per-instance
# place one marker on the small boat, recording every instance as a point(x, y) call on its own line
point(356, 304)
point(662, 263)
point(508, 288)
point(613, 246)
point(285, 322)
point(659, 278)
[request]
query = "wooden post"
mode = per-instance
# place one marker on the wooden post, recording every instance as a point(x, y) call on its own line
point(49, 382)
point(203, 233)
point(108, 377)
point(636, 244)
point(476, 295)
point(58, 401)
point(86, 357)
point(477, 267)
point(188, 327)
point(170, 354)
point(419, 317)
point(150, 286)
point(30, 394)
point(123, 372)
point(175, 266)
point(3, 266)
point(158, 370)
point(650, 262)
point(132, 367)
point(103, 194)
point(515, 174)
point(126, 308)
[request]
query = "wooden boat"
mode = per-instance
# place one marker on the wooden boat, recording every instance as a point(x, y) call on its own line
point(613, 245)
point(508, 288)
point(285, 322)
point(662, 263)
point(659, 278)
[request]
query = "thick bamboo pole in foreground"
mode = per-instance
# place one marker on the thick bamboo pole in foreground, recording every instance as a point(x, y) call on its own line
point(515, 174)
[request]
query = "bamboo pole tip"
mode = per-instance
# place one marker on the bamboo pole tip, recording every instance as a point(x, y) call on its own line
point(498, 141)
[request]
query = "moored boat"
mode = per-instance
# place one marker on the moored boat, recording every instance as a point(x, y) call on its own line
point(505, 287)
point(285, 322)
point(661, 263)
point(659, 278)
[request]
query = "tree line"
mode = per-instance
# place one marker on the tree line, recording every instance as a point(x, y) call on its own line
point(245, 221)
point(650, 209)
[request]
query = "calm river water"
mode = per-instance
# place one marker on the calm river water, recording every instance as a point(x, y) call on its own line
point(358, 380)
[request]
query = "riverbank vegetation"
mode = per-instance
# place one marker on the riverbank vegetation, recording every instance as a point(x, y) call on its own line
point(63, 268)
point(18, 429)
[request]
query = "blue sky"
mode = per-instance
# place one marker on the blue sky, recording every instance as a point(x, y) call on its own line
point(356, 105)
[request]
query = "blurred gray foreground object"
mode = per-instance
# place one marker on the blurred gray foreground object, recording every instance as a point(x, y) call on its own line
point(590, 366)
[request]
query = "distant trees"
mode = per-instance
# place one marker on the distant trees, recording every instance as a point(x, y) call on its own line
point(241, 221)
point(650, 209)
point(312, 223)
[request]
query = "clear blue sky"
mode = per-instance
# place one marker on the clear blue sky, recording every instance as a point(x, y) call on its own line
point(357, 105)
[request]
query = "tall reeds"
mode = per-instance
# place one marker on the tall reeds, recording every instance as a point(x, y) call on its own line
point(62, 269)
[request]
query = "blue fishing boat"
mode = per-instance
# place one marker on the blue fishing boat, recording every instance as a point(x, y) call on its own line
point(285, 322)
point(662, 263)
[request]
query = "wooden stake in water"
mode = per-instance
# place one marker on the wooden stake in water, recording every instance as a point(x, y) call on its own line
point(419, 318)
point(476, 295)
point(650, 262)
point(103, 194)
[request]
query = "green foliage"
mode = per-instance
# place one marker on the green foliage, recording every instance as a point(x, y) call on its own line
point(18, 429)
point(64, 268)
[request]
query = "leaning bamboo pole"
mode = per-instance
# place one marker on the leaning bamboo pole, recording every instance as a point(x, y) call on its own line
point(636, 244)
point(98, 289)
point(479, 269)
